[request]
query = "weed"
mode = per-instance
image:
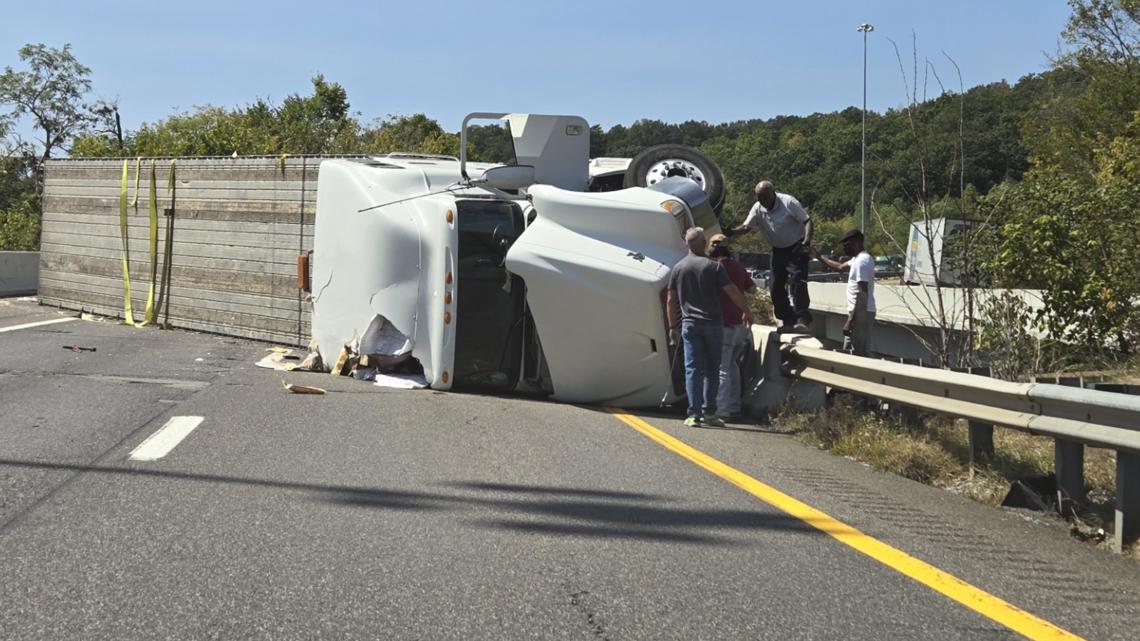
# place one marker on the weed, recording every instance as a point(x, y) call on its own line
point(935, 450)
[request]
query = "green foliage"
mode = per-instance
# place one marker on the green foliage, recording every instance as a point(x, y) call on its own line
point(20, 227)
point(493, 143)
point(1071, 228)
point(319, 123)
point(1078, 245)
point(19, 206)
point(51, 92)
point(1004, 337)
point(412, 134)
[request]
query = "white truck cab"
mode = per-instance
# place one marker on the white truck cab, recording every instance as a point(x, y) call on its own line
point(504, 278)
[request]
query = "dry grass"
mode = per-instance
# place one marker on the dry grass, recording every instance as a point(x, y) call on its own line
point(935, 450)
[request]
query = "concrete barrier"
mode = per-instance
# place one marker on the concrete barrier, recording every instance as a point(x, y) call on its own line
point(772, 388)
point(905, 325)
point(19, 273)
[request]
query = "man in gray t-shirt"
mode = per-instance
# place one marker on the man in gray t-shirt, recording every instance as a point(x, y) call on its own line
point(693, 303)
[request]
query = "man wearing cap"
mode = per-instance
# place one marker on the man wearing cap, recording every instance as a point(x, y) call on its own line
point(858, 332)
point(787, 228)
point(693, 304)
point(735, 340)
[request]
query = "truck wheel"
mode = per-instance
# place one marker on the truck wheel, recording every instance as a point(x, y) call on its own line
point(663, 161)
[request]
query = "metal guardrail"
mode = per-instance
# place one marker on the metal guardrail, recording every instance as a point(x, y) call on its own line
point(1073, 416)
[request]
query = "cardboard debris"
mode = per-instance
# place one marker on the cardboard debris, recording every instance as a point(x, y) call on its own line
point(302, 389)
point(311, 363)
point(284, 360)
point(401, 381)
point(280, 362)
point(345, 362)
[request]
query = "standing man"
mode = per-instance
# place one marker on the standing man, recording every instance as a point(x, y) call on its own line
point(787, 228)
point(858, 332)
point(693, 304)
point(736, 333)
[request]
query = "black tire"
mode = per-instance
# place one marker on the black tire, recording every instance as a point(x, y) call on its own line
point(637, 175)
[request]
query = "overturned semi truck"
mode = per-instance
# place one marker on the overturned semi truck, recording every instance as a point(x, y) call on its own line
point(543, 277)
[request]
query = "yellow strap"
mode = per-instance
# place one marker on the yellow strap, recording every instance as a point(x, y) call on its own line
point(153, 247)
point(128, 316)
point(167, 257)
point(138, 174)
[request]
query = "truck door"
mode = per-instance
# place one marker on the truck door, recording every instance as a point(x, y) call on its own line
point(490, 306)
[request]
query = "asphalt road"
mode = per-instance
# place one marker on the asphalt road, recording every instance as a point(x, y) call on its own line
point(379, 514)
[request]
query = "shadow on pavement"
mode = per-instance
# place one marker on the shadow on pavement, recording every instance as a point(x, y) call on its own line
point(572, 511)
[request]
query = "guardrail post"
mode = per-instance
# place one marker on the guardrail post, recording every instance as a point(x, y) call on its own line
point(1069, 463)
point(981, 434)
point(1127, 500)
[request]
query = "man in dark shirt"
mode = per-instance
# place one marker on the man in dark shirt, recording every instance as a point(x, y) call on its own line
point(693, 303)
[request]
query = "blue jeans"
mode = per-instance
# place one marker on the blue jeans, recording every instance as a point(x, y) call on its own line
point(733, 346)
point(702, 341)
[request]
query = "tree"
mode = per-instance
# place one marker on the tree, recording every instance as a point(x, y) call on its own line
point(491, 143)
point(19, 206)
point(320, 123)
point(316, 124)
point(414, 134)
point(1071, 227)
point(52, 92)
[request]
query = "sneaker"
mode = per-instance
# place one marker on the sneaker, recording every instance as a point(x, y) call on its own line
point(692, 421)
point(712, 420)
point(800, 328)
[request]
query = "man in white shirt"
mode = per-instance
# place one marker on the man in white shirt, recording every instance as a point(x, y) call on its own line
point(858, 332)
point(787, 228)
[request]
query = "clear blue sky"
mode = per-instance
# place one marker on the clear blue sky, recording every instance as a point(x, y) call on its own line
point(611, 62)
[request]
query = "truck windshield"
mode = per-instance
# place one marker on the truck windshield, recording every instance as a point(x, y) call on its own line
point(491, 302)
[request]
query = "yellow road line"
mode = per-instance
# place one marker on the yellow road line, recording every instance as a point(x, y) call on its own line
point(978, 600)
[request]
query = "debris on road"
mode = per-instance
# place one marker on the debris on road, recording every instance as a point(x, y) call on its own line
point(401, 381)
point(311, 363)
point(1033, 493)
point(284, 360)
point(1087, 534)
point(346, 361)
point(383, 356)
point(79, 348)
point(302, 389)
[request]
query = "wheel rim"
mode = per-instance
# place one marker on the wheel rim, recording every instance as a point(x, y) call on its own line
point(670, 167)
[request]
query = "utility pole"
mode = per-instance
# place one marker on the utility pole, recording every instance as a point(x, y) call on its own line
point(864, 28)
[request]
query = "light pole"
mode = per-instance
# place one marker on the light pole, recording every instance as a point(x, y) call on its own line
point(864, 28)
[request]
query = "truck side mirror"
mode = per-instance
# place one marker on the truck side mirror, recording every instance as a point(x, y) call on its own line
point(508, 177)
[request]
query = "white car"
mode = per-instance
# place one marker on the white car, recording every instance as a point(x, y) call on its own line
point(508, 278)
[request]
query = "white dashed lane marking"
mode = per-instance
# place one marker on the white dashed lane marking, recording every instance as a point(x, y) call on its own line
point(166, 438)
point(37, 324)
